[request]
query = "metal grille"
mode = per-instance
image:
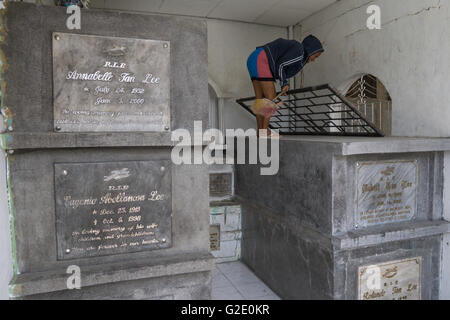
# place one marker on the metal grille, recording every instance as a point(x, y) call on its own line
point(318, 110)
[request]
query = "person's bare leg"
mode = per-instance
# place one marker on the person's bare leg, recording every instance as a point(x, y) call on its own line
point(269, 92)
point(259, 94)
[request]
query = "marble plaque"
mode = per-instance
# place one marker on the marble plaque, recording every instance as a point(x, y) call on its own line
point(395, 280)
point(112, 207)
point(386, 192)
point(110, 84)
point(214, 237)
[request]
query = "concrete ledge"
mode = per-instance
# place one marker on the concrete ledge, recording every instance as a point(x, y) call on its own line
point(389, 233)
point(52, 140)
point(348, 146)
point(51, 281)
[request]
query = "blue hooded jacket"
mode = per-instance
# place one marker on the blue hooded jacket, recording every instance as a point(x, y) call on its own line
point(288, 57)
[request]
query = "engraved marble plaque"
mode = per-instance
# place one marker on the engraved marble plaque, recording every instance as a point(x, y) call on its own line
point(110, 84)
point(214, 237)
point(386, 192)
point(112, 207)
point(395, 280)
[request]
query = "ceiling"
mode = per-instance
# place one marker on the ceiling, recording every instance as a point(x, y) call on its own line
point(281, 13)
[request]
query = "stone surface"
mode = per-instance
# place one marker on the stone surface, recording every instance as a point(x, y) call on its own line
point(173, 272)
point(92, 276)
point(113, 207)
point(393, 280)
point(301, 235)
point(220, 184)
point(28, 53)
point(110, 83)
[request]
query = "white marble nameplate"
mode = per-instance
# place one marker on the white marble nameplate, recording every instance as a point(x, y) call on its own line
point(110, 84)
point(386, 192)
point(395, 280)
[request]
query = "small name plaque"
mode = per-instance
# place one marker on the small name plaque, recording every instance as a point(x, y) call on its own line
point(396, 280)
point(112, 207)
point(110, 84)
point(386, 192)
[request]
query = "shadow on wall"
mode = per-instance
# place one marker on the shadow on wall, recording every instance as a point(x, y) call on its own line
point(371, 98)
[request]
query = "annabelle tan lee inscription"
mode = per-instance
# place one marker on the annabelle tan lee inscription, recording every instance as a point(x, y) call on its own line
point(120, 213)
point(110, 84)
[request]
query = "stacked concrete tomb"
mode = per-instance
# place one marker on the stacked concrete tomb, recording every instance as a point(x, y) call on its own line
point(92, 185)
point(347, 218)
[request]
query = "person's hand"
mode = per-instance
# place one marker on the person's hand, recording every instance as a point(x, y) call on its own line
point(284, 90)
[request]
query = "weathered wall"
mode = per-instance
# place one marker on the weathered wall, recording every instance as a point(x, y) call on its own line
point(229, 45)
point(27, 51)
point(409, 55)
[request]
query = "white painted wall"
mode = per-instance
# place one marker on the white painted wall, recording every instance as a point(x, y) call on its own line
point(410, 55)
point(229, 45)
point(6, 261)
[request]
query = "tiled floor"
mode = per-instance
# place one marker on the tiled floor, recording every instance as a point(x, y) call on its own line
point(234, 281)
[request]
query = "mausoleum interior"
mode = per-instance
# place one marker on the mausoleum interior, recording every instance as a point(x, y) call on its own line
point(132, 167)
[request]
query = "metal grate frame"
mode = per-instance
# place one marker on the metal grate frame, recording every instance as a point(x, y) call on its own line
point(319, 110)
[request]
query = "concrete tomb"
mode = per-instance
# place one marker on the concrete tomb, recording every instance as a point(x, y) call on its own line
point(92, 185)
point(347, 218)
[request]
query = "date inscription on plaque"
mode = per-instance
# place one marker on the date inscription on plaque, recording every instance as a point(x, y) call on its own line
point(386, 192)
point(395, 280)
point(112, 207)
point(110, 84)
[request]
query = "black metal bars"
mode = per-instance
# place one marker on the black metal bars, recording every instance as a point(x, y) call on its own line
point(319, 110)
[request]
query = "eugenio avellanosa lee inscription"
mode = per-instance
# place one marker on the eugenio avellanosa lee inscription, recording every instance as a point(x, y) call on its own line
point(112, 207)
point(386, 192)
point(110, 84)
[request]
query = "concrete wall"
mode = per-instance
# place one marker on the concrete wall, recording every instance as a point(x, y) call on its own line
point(229, 45)
point(409, 55)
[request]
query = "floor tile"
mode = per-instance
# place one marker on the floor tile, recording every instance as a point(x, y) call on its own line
point(235, 281)
point(268, 297)
point(226, 293)
point(253, 290)
point(219, 280)
point(241, 276)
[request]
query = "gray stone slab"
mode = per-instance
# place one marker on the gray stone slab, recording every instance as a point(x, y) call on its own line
point(31, 284)
point(348, 146)
point(110, 83)
point(33, 191)
point(393, 280)
point(348, 262)
point(39, 140)
point(28, 53)
point(112, 207)
point(389, 233)
point(300, 232)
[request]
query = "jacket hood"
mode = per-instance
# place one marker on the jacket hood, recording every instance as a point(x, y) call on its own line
point(311, 46)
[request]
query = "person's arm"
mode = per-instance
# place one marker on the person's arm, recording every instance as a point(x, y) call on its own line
point(285, 89)
point(293, 55)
